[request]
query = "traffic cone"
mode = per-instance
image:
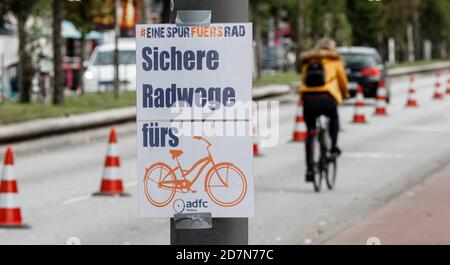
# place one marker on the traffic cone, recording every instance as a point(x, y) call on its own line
point(359, 116)
point(380, 109)
point(448, 82)
point(411, 101)
point(256, 151)
point(111, 181)
point(10, 213)
point(438, 95)
point(300, 133)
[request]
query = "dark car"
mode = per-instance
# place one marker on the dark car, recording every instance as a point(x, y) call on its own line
point(364, 67)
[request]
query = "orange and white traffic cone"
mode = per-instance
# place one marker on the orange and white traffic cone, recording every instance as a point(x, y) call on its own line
point(10, 213)
point(412, 100)
point(448, 82)
point(111, 180)
point(380, 109)
point(300, 133)
point(438, 95)
point(256, 151)
point(359, 116)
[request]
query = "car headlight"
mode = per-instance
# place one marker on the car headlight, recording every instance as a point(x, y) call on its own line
point(89, 75)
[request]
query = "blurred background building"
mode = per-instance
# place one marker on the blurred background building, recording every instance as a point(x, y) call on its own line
point(400, 30)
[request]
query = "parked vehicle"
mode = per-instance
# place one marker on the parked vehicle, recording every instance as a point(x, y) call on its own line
point(364, 67)
point(99, 75)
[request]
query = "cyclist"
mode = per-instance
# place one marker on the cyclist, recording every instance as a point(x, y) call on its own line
point(324, 86)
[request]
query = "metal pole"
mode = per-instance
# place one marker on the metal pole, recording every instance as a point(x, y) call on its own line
point(2, 78)
point(116, 49)
point(410, 38)
point(225, 231)
point(257, 37)
point(59, 82)
point(301, 28)
point(2, 64)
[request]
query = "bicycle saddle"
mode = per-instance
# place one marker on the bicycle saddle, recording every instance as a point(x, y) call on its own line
point(175, 153)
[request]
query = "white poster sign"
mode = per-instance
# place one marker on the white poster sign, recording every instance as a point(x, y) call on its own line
point(194, 107)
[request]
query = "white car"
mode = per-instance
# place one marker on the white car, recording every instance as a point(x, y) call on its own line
point(99, 75)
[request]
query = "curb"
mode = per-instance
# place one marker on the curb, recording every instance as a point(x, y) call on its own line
point(417, 69)
point(271, 91)
point(43, 127)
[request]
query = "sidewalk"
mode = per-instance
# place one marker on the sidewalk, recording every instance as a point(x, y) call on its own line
point(421, 215)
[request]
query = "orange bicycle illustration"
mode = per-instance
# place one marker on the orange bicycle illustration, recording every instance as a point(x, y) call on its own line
point(224, 183)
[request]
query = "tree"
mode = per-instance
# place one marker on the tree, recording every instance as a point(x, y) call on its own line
point(362, 23)
point(256, 18)
point(58, 83)
point(369, 14)
point(2, 14)
point(327, 18)
point(146, 13)
point(165, 16)
point(22, 10)
point(435, 24)
point(398, 14)
point(301, 25)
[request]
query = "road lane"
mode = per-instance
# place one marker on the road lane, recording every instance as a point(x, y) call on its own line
point(380, 160)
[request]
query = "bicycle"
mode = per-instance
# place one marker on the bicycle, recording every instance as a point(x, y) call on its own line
point(161, 182)
point(325, 164)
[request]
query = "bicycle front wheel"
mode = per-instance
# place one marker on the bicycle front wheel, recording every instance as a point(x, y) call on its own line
point(159, 184)
point(226, 185)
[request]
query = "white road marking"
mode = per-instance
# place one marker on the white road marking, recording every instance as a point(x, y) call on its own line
point(73, 241)
point(374, 155)
point(410, 193)
point(76, 199)
point(87, 197)
point(431, 129)
point(322, 223)
point(131, 184)
point(373, 241)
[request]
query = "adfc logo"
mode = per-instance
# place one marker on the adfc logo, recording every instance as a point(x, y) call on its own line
point(224, 183)
point(180, 206)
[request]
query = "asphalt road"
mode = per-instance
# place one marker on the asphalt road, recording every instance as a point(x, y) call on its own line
point(381, 159)
point(418, 216)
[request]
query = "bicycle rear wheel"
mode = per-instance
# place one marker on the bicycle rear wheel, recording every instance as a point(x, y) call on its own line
point(318, 172)
point(329, 165)
point(226, 185)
